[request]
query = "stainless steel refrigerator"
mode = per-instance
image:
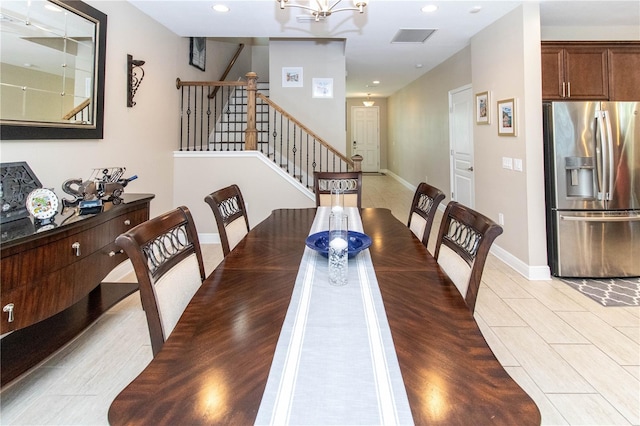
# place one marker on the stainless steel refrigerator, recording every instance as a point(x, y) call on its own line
point(592, 181)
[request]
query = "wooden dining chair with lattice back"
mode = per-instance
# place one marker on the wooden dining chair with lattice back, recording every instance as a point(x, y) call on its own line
point(464, 240)
point(349, 182)
point(230, 212)
point(423, 210)
point(165, 253)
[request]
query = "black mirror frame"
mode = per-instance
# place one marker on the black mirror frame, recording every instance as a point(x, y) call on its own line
point(31, 130)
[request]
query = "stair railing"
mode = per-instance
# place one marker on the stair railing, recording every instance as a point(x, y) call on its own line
point(241, 119)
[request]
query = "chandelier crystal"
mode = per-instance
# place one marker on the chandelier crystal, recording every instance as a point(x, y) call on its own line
point(322, 8)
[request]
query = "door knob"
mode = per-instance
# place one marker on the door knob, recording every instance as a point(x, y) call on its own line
point(470, 169)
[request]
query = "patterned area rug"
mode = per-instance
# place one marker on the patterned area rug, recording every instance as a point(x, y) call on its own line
point(608, 291)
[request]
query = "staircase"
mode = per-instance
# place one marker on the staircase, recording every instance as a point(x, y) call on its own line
point(229, 130)
point(239, 116)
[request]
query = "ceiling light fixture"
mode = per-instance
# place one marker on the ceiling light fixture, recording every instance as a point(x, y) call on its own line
point(321, 9)
point(220, 8)
point(368, 102)
point(430, 8)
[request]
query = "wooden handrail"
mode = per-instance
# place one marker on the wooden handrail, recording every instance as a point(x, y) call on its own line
point(180, 83)
point(77, 109)
point(226, 72)
point(305, 128)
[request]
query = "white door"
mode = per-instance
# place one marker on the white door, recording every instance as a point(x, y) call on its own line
point(365, 137)
point(461, 145)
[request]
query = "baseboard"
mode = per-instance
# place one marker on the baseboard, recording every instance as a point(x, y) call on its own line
point(533, 273)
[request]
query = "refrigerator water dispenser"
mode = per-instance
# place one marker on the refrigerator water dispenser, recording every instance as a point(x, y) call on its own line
point(580, 182)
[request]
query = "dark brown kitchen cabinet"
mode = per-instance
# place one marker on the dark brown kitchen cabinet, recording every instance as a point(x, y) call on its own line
point(624, 72)
point(575, 72)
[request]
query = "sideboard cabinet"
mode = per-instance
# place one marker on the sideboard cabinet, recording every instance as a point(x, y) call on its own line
point(43, 273)
point(590, 70)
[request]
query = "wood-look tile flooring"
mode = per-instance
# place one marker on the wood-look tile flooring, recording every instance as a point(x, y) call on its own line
point(578, 360)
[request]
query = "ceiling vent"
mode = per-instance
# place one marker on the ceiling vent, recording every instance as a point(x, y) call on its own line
point(419, 35)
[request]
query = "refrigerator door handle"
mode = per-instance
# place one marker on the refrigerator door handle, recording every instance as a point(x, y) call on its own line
point(609, 156)
point(601, 154)
point(601, 218)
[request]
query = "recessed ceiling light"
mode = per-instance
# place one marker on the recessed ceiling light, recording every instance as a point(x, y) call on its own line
point(430, 8)
point(475, 9)
point(52, 8)
point(419, 65)
point(376, 81)
point(220, 8)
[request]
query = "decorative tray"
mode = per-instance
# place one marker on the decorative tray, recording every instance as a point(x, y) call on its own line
point(320, 242)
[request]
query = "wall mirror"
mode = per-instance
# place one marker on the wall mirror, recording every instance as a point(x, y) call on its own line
point(52, 60)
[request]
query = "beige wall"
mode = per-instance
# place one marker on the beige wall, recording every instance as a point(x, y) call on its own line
point(141, 138)
point(264, 186)
point(509, 67)
point(318, 59)
point(418, 138)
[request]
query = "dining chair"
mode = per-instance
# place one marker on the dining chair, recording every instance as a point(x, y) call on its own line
point(349, 182)
point(423, 210)
point(464, 239)
point(230, 212)
point(166, 257)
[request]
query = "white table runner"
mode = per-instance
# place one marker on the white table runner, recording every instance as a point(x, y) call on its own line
point(335, 362)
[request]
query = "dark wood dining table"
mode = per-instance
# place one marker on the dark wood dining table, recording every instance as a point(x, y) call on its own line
point(214, 366)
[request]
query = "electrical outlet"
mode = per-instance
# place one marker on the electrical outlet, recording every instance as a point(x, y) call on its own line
point(517, 164)
point(500, 219)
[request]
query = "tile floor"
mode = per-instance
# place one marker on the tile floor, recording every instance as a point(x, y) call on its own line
point(579, 361)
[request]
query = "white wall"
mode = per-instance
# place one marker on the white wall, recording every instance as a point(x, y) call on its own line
point(591, 32)
point(318, 59)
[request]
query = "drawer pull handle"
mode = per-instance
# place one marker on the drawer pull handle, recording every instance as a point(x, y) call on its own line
point(113, 253)
point(9, 308)
point(76, 246)
point(127, 222)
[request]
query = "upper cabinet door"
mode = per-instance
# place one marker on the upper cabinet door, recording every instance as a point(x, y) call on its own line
point(624, 66)
point(572, 71)
point(552, 72)
point(586, 73)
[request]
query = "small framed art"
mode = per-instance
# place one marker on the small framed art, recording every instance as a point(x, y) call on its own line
point(198, 52)
point(323, 88)
point(483, 102)
point(292, 77)
point(507, 117)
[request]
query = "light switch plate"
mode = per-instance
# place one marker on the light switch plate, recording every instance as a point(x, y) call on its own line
point(507, 163)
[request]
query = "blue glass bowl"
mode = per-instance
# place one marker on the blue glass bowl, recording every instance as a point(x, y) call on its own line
point(320, 242)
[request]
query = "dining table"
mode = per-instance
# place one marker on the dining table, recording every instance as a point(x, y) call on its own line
point(268, 340)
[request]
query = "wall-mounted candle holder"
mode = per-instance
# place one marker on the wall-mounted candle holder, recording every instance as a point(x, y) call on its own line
point(135, 74)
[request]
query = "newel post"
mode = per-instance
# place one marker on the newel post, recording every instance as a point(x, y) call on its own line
point(251, 133)
point(357, 163)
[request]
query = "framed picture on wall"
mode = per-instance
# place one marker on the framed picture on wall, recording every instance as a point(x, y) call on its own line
point(322, 88)
point(292, 77)
point(507, 117)
point(483, 102)
point(198, 52)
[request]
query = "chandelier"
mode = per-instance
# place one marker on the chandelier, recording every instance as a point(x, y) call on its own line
point(368, 102)
point(322, 8)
